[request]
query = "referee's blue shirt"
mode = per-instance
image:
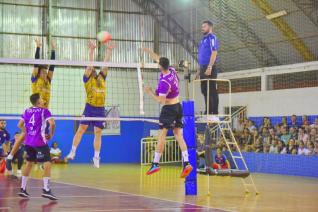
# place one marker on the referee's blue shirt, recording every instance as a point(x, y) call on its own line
point(208, 44)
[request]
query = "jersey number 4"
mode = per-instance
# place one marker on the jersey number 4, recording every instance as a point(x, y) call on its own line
point(32, 120)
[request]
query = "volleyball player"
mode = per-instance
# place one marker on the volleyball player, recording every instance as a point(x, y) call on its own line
point(95, 87)
point(33, 124)
point(41, 80)
point(167, 94)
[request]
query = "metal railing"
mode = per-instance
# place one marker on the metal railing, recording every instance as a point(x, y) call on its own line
point(171, 153)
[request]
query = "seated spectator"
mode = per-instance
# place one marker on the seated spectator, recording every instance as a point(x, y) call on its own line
point(288, 149)
point(313, 135)
point(293, 122)
point(251, 126)
point(272, 133)
point(316, 147)
point(274, 147)
point(294, 152)
point(239, 127)
point(280, 146)
point(221, 161)
point(284, 122)
point(255, 136)
point(302, 135)
point(56, 153)
point(246, 137)
point(266, 148)
point(278, 130)
point(258, 146)
point(311, 148)
point(293, 133)
point(201, 151)
point(305, 121)
point(302, 150)
point(285, 135)
point(266, 124)
point(315, 125)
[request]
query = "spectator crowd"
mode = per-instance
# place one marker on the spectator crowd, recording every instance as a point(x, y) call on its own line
point(286, 137)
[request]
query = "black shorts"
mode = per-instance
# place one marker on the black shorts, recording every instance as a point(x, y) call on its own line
point(38, 154)
point(171, 116)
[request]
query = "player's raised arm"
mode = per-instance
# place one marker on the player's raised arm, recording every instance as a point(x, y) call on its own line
point(108, 55)
point(37, 56)
point(51, 68)
point(91, 51)
point(152, 55)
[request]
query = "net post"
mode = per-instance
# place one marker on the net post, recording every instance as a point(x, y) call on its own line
point(190, 139)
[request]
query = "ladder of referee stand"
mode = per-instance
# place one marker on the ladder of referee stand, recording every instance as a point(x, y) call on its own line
point(226, 127)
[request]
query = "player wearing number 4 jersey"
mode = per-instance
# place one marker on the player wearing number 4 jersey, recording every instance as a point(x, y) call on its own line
point(32, 124)
point(167, 94)
point(95, 87)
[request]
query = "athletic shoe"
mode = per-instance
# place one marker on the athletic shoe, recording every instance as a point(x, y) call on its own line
point(48, 194)
point(153, 169)
point(23, 193)
point(19, 173)
point(12, 177)
point(186, 170)
point(71, 155)
point(96, 162)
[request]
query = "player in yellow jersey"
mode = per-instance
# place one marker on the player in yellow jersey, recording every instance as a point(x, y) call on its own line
point(95, 87)
point(42, 75)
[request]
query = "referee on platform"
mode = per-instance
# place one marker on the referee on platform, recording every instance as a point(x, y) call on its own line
point(207, 59)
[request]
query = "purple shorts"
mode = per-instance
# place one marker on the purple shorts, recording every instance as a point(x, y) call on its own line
point(91, 111)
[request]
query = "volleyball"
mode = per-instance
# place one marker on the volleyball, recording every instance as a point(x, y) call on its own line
point(103, 37)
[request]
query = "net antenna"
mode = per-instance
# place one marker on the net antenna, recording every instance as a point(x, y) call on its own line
point(139, 70)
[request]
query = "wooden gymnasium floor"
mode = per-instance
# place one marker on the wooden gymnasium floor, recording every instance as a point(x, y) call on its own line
point(127, 188)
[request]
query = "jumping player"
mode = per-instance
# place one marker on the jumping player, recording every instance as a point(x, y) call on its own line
point(167, 94)
point(41, 80)
point(95, 87)
point(32, 124)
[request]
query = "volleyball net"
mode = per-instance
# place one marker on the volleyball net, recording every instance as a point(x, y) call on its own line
point(125, 99)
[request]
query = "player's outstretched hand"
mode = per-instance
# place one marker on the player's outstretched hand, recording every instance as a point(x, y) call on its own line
point(91, 45)
point(148, 90)
point(38, 42)
point(53, 44)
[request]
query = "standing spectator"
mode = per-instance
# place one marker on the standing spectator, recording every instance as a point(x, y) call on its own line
point(290, 147)
point(293, 133)
point(285, 135)
point(293, 122)
point(4, 138)
point(274, 147)
point(302, 150)
point(221, 161)
point(207, 59)
point(302, 135)
point(201, 150)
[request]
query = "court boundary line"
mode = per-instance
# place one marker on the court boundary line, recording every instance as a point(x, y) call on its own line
point(145, 196)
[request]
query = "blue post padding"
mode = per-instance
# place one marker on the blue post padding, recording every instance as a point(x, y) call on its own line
point(190, 139)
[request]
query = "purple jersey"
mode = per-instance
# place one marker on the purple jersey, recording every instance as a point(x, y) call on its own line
point(168, 85)
point(220, 160)
point(35, 121)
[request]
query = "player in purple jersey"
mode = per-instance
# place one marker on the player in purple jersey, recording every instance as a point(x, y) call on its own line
point(32, 124)
point(167, 94)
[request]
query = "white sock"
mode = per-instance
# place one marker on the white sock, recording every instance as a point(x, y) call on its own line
point(96, 154)
point(157, 157)
point(185, 156)
point(10, 157)
point(24, 182)
point(46, 181)
point(73, 149)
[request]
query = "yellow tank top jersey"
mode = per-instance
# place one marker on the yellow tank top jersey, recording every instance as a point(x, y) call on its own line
point(96, 91)
point(44, 89)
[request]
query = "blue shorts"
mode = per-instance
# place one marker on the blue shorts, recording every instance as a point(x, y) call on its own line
point(91, 111)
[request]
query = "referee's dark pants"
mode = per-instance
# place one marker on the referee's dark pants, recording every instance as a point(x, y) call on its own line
point(213, 94)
